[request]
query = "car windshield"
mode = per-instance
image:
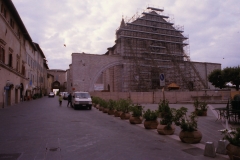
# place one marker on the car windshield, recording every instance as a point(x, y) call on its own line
point(82, 95)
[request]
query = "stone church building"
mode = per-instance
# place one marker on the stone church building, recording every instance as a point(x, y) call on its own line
point(150, 53)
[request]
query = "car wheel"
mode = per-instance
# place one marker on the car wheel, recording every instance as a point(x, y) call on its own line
point(89, 108)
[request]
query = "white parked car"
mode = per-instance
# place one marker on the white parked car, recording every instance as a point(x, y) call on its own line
point(51, 94)
point(65, 95)
point(81, 100)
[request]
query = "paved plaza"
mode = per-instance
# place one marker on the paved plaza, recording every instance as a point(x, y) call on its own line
point(42, 130)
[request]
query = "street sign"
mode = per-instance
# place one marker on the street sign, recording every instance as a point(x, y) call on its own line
point(162, 79)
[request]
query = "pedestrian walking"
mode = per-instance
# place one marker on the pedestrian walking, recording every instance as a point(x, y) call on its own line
point(60, 99)
point(69, 100)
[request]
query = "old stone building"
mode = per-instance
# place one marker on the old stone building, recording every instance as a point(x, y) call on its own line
point(59, 79)
point(150, 53)
point(23, 65)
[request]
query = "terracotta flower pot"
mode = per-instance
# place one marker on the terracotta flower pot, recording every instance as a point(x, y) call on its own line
point(100, 108)
point(164, 130)
point(105, 110)
point(190, 137)
point(110, 112)
point(135, 120)
point(151, 124)
point(117, 113)
point(232, 151)
point(201, 113)
point(125, 116)
point(97, 106)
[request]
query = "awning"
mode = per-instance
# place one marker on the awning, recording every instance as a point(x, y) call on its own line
point(173, 86)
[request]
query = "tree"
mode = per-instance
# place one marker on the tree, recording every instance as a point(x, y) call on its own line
point(232, 75)
point(219, 78)
point(216, 78)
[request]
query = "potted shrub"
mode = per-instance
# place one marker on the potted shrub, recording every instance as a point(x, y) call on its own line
point(200, 107)
point(166, 126)
point(118, 110)
point(111, 106)
point(190, 133)
point(124, 107)
point(150, 119)
point(136, 111)
point(233, 137)
point(95, 101)
point(162, 107)
point(103, 104)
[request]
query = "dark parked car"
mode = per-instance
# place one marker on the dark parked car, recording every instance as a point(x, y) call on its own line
point(51, 94)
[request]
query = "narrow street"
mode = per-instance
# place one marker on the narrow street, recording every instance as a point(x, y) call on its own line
point(41, 129)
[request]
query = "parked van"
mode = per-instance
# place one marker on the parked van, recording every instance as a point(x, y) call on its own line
point(81, 100)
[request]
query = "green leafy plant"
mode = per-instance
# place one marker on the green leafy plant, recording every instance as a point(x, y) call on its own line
point(163, 107)
point(150, 115)
point(96, 100)
point(196, 103)
point(103, 103)
point(233, 136)
point(136, 110)
point(111, 104)
point(200, 106)
point(165, 113)
point(124, 105)
point(186, 123)
point(170, 115)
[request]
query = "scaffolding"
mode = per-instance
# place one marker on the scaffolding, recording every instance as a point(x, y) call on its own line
point(151, 44)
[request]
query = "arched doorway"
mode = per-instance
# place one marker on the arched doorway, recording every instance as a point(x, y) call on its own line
point(56, 87)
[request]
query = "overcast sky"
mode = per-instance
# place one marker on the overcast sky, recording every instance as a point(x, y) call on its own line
point(89, 26)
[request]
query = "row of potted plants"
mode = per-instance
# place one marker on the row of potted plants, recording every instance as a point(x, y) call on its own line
point(169, 117)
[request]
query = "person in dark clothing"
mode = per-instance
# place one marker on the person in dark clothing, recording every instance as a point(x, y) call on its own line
point(69, 100)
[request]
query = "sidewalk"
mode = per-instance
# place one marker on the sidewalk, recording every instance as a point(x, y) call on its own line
point(208, 125)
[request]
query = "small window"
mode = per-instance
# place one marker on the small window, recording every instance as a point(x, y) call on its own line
point(5, 13)
point(18, 64)
point(10, 60)
point(2, 54)
point(18, 33)
point(11, 23)
point(23, 69)
point(2, 8)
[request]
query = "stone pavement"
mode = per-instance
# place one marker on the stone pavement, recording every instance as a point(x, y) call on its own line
point(41, 129)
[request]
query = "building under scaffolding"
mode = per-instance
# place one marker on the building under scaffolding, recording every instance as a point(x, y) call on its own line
point(152, 45)
point(150, 53)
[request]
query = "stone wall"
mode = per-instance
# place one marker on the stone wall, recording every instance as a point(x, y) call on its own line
point(172, 96)
point(87, 68)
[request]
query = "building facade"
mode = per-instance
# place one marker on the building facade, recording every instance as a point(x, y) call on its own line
point(60, 80)
point(22, 62)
